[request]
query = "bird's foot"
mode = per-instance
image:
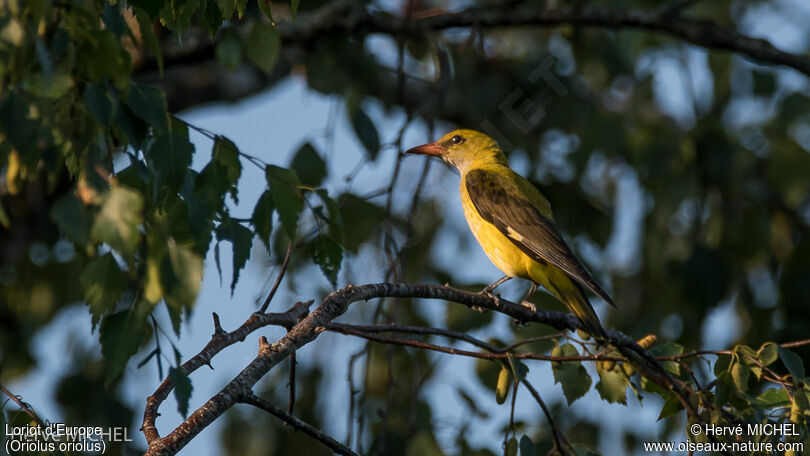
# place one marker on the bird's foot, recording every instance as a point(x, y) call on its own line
point(529, 305)
point(493, 296)
point(491, 287)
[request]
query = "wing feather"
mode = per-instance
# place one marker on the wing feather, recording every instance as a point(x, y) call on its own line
point(520, 221)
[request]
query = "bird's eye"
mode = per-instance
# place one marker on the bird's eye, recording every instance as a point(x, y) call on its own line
point(457, 139)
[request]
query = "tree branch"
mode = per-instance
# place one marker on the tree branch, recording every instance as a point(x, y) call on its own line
point(560, 442)
point(23, 406)
point(296, 423)
point(334, 305)
point(279, 277)
point(219, 341)
point(211, 82)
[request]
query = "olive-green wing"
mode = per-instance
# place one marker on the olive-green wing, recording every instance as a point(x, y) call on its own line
point(520, 221)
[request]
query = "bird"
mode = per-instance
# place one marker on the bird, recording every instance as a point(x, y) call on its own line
point(513, 223)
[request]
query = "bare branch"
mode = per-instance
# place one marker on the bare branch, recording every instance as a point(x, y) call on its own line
point(279, 277)
point(334, 305)
point(219, 341)
point(349, 18)
point(23, 406)
point(559, 437)
point(254, 400)
point(495, 353)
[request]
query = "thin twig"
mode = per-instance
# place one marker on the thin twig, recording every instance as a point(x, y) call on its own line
point(254, 400)
point(676, 7)
point(23, 406)
point(279, 277)
point(494, 352)
point(337, 303)
point(219, 341)
point(157, 347)
point(559, 437)
point(352, 392)
point(291, 400)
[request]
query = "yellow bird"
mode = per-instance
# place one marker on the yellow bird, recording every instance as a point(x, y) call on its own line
point(512, 221)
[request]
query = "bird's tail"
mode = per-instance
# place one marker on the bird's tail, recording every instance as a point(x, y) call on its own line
point(579, 305)
point(572, 295)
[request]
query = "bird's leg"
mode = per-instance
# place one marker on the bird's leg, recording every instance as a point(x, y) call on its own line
point(491, 287)
point(525, 301)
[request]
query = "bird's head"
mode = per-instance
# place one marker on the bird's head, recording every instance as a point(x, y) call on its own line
point(463, 149)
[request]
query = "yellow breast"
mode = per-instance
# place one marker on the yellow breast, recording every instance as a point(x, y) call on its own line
point(501, 251)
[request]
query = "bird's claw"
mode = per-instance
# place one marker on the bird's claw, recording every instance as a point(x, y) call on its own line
point(529, 306)
point(493, 296)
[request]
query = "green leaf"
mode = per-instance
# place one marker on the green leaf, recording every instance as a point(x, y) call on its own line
point(176, 16)
point(308, 165)
point(327, 254)
point(240, 7)
point(504, 382)
point(671, 406)
point(170, 156)
point(113, 20)
point(263, 46)
point(572, 376)
point(180, 276)
point(227, 7)
point(668, 349)
point(612, 385)
point(199, 215)
point(103, 284)
point(103, 56)
point(367, 133)
point(739, 374)
point(294, 6)
point(365, 218)
point(148, 103)
point(118, 220)
point(772, 397)
point(264, 6)
point(526, 446)
point(519, 370)
point(768, 353)
point(72, 218)
point(210, 16)
point(511, 447)
point(99, 103)
point(55, 86)
point(793, 363)
point(242, 239)
point(283, 185)
point(332, 214)
point(150, 6)
point(15, 123)
point(133, 128)
point(228, 51)
point(182, 389)
point(121, 335)
point(226, 154)
point(148, 36)
point(262, 218)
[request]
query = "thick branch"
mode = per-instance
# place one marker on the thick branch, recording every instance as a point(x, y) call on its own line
point(346, 17)
point(219, 341)
point(334, 305)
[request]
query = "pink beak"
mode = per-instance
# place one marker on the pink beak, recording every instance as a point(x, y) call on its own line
point(427, 149)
